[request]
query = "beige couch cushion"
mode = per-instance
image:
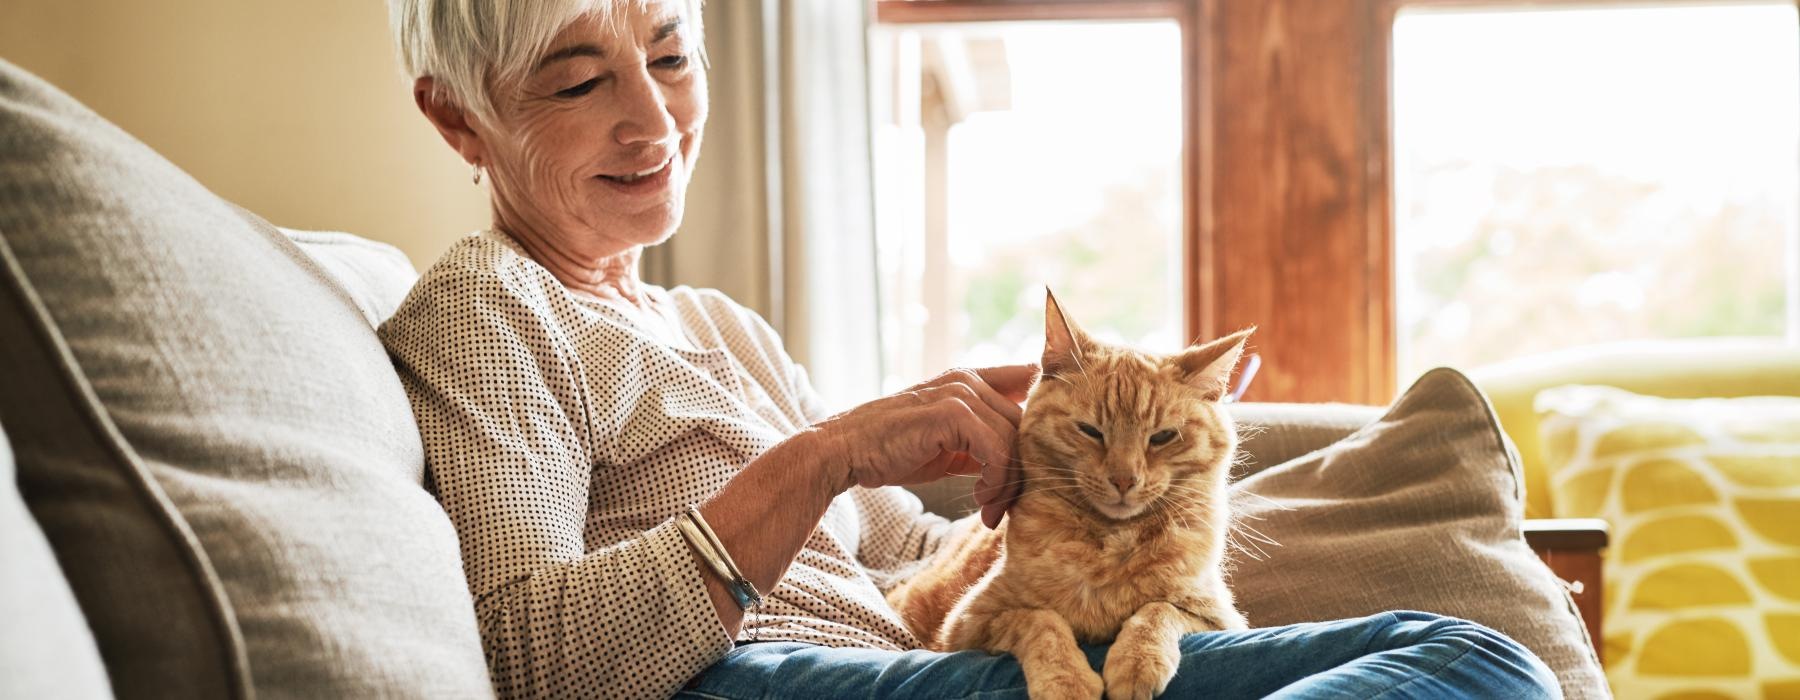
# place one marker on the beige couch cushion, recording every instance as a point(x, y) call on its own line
point(1420, 510)
point(217, 446)
point(1272, 433)
point(46, 649)
point(375, 275)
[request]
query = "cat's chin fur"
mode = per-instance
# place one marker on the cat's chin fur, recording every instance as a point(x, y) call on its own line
point(1120, 513)
point(1046, 510)
point(1114, 513)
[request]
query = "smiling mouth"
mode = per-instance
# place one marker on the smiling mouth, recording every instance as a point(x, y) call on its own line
point(630, 178)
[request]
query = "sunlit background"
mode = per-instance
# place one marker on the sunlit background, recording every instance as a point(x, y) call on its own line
point(1579, 176)
point(1055, 152)
point(1562, 178)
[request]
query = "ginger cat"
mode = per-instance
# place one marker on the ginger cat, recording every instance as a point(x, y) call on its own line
point(1119, 532)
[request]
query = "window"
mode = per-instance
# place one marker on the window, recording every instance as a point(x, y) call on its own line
point(1014, 155)
point(1566, 177)
point(1356, 186)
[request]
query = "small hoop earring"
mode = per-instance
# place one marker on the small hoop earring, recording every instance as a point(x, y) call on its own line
point(477, 178)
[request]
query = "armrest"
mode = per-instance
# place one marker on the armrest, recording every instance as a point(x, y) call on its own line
point(1571, 548)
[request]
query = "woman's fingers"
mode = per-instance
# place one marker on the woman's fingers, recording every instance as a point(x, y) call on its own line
point(971, 427)
point(993, 397)
point(1001, 388)
point(1010, 381)
point(988, 412)
point(962, 422)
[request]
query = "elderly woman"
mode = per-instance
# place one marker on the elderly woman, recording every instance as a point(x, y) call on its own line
point(573, 416)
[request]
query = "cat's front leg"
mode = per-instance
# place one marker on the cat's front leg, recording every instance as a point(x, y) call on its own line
point(1054, 667)
point(1146, 652)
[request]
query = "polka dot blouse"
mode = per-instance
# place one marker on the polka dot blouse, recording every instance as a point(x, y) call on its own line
point(562, 438)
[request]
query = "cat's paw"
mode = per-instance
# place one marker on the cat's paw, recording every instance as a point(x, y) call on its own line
point(1066, 684)
point(1139, 673)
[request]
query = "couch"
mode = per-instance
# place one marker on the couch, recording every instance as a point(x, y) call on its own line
point(214, 486)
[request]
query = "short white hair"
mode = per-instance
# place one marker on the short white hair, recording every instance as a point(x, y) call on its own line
point(468, 45)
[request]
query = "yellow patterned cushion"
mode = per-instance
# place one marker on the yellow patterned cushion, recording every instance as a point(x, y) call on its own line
point(1703, 576)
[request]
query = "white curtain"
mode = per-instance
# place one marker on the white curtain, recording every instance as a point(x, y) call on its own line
point(779, 214)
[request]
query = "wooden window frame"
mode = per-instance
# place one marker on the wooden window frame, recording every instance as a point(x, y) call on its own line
point(1287, 172)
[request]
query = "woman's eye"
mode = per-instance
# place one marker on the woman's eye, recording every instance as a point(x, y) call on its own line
point(675, 61)
point(1162, 438)
point(1091, 431)
point(579, 90)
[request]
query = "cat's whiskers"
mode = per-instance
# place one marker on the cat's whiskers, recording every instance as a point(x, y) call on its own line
point(1271, 503)
point(1194, 493)
point(1255, 536)
point(1258, 555)
point(1240, 536)
point(1054, 483)
point(1047, 465)
point(1070, 474)
point(1043, 486)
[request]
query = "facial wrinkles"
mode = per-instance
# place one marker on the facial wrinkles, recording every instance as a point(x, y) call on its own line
point(544, 195)
point(532, 166)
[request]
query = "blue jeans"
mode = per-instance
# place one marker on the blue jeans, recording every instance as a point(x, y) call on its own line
point(1395, 654)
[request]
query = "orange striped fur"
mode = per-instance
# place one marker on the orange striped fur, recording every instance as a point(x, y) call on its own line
point(1114, 538)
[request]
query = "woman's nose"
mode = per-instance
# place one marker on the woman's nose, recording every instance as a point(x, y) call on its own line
point(645, 114)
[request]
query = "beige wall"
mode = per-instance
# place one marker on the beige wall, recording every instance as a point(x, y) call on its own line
point(295, 110)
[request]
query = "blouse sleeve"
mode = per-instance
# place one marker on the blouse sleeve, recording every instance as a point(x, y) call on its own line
point(503, 407)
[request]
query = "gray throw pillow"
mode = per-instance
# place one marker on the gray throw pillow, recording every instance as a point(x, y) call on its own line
point(1419, 510)
point(210, 434)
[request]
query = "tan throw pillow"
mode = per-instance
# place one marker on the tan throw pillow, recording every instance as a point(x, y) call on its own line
point(210, 435)
point(1418, 510)
point(1703, 495)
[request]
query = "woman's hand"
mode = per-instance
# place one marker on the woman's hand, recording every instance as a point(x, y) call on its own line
point(962, 422)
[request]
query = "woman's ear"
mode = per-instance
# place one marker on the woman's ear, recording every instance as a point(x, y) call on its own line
point(452, 121)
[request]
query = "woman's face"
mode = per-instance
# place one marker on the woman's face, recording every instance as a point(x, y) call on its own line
point(596, 146)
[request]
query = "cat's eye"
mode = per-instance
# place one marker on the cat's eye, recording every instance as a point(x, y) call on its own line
point(1162, 438)
point(1091, 431)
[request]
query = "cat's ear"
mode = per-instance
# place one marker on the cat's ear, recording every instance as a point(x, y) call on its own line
point(1063, 342)
point(1208, 367)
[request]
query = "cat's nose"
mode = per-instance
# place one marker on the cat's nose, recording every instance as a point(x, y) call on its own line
point(1124, 483)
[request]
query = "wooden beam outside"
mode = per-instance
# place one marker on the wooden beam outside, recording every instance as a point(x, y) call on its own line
point(1291, 196)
